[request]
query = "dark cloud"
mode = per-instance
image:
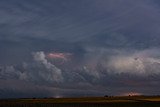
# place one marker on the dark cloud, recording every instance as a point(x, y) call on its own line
point(113, 47)
point(97, 76)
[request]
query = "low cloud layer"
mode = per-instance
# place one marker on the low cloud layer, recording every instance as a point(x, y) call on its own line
point(115, 71)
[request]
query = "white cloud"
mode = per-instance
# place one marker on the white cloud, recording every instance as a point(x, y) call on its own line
point(51, 73)
point(39, 70)
point(142, 63)
point(126, 64)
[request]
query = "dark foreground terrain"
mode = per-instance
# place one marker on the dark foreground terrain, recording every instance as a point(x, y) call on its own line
point(136, 101)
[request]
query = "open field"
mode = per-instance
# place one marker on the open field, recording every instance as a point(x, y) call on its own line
point(134, 101)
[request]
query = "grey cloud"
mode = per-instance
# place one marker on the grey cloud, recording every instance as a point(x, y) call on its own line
point(96, 80)
point(40, 70)
point(139, 62)
point(115, 45)
point(53, 73)
point(114, 17)
point(12, 88)
point(101, 70)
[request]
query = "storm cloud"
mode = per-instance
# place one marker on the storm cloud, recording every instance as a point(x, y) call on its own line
point(79, 48)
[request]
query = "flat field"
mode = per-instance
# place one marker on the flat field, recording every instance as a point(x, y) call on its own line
point(130, 101)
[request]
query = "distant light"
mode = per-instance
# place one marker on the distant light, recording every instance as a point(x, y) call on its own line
point(131, 94)
point(58, 96)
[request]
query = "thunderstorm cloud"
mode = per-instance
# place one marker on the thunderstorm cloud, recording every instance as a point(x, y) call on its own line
point(68, 48)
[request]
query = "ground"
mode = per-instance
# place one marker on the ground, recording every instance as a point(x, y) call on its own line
point(129, 101)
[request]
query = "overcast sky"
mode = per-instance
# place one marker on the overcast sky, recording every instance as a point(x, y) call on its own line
point(72, 48)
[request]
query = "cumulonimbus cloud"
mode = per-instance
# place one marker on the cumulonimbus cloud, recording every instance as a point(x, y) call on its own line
point(141, 63)
point(39, 70)
point(54, 73)
point(134, 62)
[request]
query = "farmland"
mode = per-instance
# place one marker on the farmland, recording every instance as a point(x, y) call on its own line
point(130, 101)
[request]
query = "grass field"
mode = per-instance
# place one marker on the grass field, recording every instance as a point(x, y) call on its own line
point(132, 101)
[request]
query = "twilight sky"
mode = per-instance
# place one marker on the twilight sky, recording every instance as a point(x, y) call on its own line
point(71, 48)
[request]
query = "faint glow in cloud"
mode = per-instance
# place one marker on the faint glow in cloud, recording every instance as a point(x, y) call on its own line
point(143, 63)
point(128, 64)
point(59, 55)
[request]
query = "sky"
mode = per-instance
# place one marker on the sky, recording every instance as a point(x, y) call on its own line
point(79, 48)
